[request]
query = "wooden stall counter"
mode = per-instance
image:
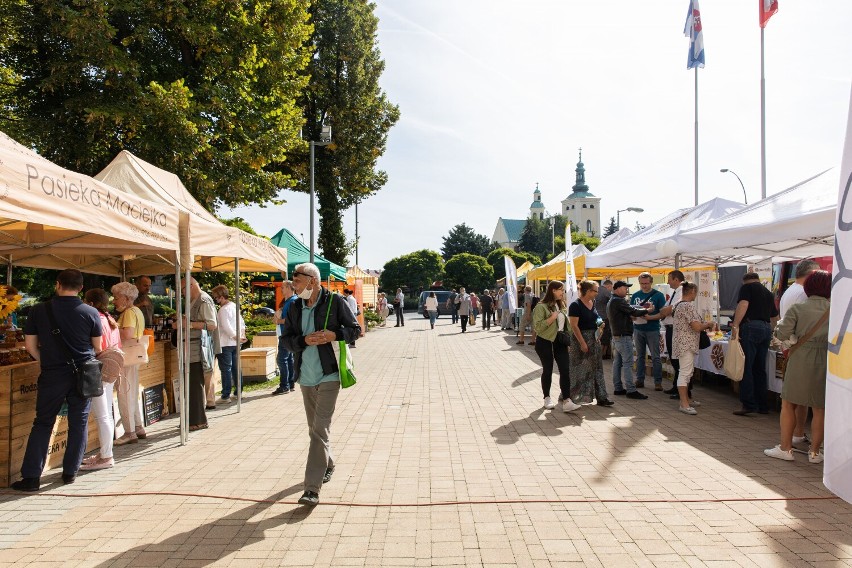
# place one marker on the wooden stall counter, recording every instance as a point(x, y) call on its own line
point(18, 390)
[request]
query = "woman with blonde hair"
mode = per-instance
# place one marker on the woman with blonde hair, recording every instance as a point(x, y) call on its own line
point(131, 324)
point(549, 317)
point(102, 405)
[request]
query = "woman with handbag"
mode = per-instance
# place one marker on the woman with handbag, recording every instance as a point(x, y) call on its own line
point(584, 350)
point(102, 405)
point(549, 318)
point(686, 342)
point(804, 377)
point(431, 308)
point(131, 325)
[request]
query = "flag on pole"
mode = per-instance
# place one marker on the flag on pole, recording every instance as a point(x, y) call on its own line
point(570, 274)
point(837, 471)
point(511, 282)
point(692, 30)
point(767, 8)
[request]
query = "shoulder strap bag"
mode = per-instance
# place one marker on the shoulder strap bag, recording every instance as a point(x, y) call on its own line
point(345, 363)
point(802, 341)
point(88, 372)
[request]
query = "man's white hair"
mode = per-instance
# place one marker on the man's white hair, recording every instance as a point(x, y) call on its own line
point(308, 268)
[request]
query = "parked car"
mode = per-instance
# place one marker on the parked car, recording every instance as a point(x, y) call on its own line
point(442, 295)
point(264, 312)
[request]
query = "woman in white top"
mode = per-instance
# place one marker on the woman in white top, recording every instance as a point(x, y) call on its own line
point(229, 339)
point(431, 308)
point(398, 307)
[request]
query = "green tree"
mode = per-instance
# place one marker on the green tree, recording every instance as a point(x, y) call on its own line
point(242, 225)
point(343, 92)
point(413, 271)
point(462, 238)
point(611, 229)
point(468, 270)
point(536, 238)
point(205, 89)
point(495, 259)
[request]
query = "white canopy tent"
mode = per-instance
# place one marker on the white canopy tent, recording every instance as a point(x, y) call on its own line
point(795, 223)
point(214, 245)
point(54, 218)
point(657, 246)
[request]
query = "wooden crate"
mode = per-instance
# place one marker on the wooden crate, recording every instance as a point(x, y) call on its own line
point(265, 341)
point(258, 363)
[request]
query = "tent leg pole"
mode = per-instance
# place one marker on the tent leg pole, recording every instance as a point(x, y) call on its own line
point(237, 369)
point(185, 347)
point(718, 301)
point(181, 361)
point(9, 272)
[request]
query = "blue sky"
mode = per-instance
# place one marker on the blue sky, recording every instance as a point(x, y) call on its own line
point(498, 95)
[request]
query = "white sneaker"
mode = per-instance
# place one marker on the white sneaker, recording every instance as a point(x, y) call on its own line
point(694, 404)
point(816, 458)
point(548, 403)
point(802, 439)
point(777, 452)
point(569, 406)
point(688, 410)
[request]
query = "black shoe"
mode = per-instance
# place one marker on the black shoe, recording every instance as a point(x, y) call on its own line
point(309, 498)
point(743, 412)
point(605, 402)
point(675, 396)
point(28, 484)
point(621, 392)
point(279, 391)
point(329, 471)
point(69, 478)
point(640, 384)
point(672, 390)
point(637, 395)
point(210, 407)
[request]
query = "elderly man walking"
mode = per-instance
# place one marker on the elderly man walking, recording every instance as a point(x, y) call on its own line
point(313, 322)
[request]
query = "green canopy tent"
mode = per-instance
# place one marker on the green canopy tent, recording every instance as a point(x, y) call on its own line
point(298, 253)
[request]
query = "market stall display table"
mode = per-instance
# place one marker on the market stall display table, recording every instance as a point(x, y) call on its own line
point(712, 360)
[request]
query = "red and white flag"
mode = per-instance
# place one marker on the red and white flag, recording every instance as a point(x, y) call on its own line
point(767, 8)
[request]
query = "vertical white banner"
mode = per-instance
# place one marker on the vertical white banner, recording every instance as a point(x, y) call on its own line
point(705, 304)
point(570, 273)
point(837, 470)
point(511, 282)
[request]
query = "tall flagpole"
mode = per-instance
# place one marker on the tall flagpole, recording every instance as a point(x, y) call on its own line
point(762, 122)
point(696, 135)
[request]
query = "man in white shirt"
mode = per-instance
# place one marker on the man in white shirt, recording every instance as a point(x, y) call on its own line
point(676, 278)
point(229, 338)
point(793, 295)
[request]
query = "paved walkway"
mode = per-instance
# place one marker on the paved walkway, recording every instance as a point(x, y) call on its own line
point(437, 417)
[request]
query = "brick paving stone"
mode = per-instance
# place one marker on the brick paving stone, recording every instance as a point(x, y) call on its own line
point(439, 416)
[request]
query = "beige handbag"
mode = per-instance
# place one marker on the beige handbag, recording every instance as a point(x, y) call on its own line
point(135, 351)
point(734, 364)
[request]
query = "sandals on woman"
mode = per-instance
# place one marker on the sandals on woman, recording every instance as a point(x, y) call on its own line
point(195, 427)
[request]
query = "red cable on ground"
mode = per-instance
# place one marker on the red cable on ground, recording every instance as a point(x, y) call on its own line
point(435, 504)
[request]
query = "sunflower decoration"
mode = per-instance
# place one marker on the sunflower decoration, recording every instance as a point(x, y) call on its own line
point(8, 304)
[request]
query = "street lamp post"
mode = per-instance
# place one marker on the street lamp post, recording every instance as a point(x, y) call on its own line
point(325, 140)
point(618, 214)
point(726, 170)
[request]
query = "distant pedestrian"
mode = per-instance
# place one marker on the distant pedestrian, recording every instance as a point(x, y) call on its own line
point(487, 302)
point(528, 299)
point(474, 306)
point(620, 319)
point(463, 308)
point(382, 308)
point(549, 317)
point(505, 310)
point(399, 307)
point(202, 316)
point(431, 308)
point(287, 382)
point(230, 338)
point(453, 306)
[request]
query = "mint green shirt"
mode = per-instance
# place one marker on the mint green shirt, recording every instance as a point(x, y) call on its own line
point(311, 370)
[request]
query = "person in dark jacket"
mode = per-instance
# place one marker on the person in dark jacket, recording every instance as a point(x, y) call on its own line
point(619, 313)
point(314, 322)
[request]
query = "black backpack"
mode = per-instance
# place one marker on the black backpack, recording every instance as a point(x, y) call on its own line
point(534, 301)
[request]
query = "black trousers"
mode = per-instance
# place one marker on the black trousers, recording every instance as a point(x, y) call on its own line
point(400, 317)
point(464, 319)
point(548, 352)
point(486, 319)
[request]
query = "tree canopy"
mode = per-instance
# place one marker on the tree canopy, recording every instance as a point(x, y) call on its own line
point(413, 271)
point(463, 239)
point(344, 93)
point(611, 228)
point(495, 259)
point(536, 237)
point(468, 270)
point(206, 90)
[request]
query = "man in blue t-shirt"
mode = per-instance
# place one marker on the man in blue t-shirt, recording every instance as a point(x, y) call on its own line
point(80, 331)
point(287, 381)
point(646, 330)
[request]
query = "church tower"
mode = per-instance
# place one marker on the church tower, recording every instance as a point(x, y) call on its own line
point(581, 207)
point(537, 207)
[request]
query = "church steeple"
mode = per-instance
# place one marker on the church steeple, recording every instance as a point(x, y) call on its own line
point(580, 184)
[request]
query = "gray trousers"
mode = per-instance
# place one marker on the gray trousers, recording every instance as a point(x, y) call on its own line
point(319, 408)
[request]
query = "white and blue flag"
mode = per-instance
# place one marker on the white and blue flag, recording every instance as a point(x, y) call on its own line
point(692, 30)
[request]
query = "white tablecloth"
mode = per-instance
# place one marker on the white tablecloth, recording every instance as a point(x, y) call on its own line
point(713, 358)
